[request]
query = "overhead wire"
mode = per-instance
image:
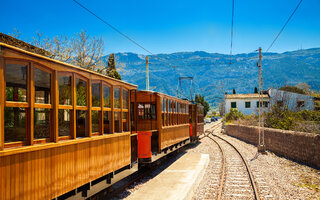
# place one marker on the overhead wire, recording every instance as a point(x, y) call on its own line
point(284, 26)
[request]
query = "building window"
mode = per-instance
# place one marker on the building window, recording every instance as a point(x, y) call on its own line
point(248, 104)
point(147, 111)
point(95, 92)
point(117, 123)
point(106, 96)
point(233, 104)
point(95, 121)
point(81, 92)
point(266, 104)
point(42, 85)
point(125, 99)
point(64, 122)
point(41, 123)
point(300, 104)
point(65, 90)
point(14, 124)
point(117, 98)
point(81, 119)
point(125, 121)
point(107, 123)
point(16, 82)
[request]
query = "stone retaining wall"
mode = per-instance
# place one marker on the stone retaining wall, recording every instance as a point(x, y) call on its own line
point(299, 146)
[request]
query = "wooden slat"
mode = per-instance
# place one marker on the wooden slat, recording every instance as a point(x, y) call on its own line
point(89, 106)
point(31, 93)
point(38, 105)
point(112, 108)
point(74, 101)
point(55, 104)
point(121, 107)
point(101, 106)
point(17, 104)
point(66, 107)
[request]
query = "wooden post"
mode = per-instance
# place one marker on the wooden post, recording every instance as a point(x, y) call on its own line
point(74, 102)
point(129, 111)
point(31, 96)
point(101, 106)
point(261, 146)
point(112, 108)
point(55, 104)
point(2, 100)
point(89, 106)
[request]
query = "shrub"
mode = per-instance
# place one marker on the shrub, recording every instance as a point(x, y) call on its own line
point(234, 114)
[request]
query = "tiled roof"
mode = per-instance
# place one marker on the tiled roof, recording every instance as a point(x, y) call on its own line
point(245, 96)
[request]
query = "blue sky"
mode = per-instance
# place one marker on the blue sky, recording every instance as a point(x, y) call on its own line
point(168, 26)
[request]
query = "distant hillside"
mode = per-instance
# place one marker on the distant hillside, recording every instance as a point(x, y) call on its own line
point(212, 69)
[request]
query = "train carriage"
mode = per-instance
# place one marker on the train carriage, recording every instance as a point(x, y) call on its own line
point(161, 123)
point(196, 117)
point(62, 128)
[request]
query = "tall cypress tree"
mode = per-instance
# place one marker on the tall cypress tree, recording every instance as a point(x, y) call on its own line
point(111, 69)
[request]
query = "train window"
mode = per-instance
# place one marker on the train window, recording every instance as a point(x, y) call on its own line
point(41, 123)
point(81, 123)
point(64, 122)
point(125, 98)
point(125, 121)
point(14, 124)
point(81, 92)
point(95, 92)
point(42, 85)
point(16, 82)
point(117, 124)
point(65, 90)
point(117, 97)
point(106, 96)
point(107, 123)
point(147, 111)
point(95, 122)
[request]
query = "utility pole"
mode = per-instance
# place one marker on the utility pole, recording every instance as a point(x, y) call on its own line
point(147, 73)
point(261, 145)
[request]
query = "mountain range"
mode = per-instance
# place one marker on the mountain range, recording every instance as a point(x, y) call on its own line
point(214, 74)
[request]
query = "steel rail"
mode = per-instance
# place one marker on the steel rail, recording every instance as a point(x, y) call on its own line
point(253, 184)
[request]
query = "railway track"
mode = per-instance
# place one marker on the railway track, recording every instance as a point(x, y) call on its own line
point(236, 179)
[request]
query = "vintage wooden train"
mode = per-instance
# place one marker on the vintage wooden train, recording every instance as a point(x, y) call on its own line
point(69, 132)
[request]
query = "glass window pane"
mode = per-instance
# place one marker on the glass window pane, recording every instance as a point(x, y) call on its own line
point(95, 94)
point(41, 123)
point(81, 92)
point(125, 121)
point(81, 120)
point(95, 121)
point(107, 126)
point(42, 85)
point(14, 124)
point(16, 82)
point(65, 90)
point(64, 122)
point(117, 123)
point(117, 97)
point(125, 99)
point(106, 96)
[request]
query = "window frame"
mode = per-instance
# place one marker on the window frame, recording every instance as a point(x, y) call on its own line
point(233, 103)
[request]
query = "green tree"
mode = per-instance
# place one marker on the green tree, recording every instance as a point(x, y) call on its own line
point(234, 91)
point(200, 99)
point(111, 69)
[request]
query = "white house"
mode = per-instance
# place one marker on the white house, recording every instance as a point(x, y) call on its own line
point(294, 101)
point(246, 103)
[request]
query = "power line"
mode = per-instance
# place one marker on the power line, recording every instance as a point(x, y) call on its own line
point(285, 25)
point(108, 24)
point(231, 30)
